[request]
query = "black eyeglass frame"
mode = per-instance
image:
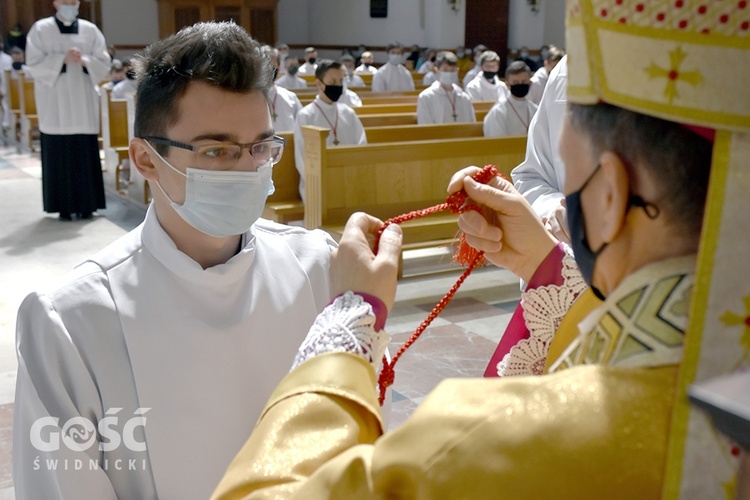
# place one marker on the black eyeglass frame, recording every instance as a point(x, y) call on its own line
point(169, 142)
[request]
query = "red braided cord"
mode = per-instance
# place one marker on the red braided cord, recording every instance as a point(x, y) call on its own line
point(455, 203)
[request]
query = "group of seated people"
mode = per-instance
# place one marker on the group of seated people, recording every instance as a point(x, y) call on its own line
point(443, 101)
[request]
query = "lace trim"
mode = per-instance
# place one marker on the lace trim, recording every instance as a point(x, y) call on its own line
point(346, 325)
point(543, 310)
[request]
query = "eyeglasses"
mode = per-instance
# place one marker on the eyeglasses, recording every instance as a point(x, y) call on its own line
point(225, 155)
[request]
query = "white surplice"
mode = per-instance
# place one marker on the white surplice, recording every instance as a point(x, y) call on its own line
point(392, 78)
point(541, 177)
point(436, 105)
point(290, 82)
point(141, 325)
point(538, 82)
point(67, 102)
point(509, 116)
point(307, 69)
point(338, 116)
point(481, 89)
point(284, 106)
point(364, 69)
point(471, 74)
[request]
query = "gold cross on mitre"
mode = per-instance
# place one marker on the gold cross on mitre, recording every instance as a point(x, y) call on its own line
point(673, 74)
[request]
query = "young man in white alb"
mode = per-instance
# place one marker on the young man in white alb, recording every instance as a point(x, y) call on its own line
point(444, 101)
point(512, 116)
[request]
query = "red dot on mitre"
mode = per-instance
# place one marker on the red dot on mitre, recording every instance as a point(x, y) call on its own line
point(603, 12)
point(747, 321)
point(702, 9)
point(623, 20)
point(735, 451)
point(683, 24)
point(742, 4)
point(705, 31)
point(678, 3)
point(660, 16)
point(745, 25)
point(723, 19)
point(673, 74)
point(618, 2)
point(639, 7)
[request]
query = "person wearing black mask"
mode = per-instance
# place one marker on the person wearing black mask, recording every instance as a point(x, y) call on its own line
point(512, 114)
point(327, 112)
point(308, 68)
point(486, 86)
point(289, 80)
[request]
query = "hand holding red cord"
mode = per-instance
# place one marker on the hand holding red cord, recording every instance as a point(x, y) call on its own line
point(457, 202)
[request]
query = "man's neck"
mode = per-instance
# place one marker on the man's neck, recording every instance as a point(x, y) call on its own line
point(324, 98)
point(447, 88)
point(66, 23)
point(206, 250)
point(632, 254)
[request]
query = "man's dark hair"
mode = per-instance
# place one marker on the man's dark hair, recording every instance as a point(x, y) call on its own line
point(324, 66)
point(220, 54)
point(554, 54)
point(517, 67)
point(677, 159)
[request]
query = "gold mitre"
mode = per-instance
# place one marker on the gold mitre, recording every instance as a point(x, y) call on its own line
point(687, 61)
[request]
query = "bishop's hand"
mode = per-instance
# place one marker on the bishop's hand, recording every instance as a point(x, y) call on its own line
point(508, 229)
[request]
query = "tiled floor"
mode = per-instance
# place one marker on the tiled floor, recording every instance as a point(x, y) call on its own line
point(36, 247)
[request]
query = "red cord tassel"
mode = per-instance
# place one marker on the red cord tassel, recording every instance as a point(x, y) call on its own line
point(465, 255)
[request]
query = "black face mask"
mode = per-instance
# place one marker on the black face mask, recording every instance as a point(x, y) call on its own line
point(367, 65)
point(17, 65)
point(130, 75)
point(293, 69)
point(275, 73)
point(586, 257)
point(490, 75)
point(520, 89)
point(311, 60)
point(433, 59)
point(333, 92)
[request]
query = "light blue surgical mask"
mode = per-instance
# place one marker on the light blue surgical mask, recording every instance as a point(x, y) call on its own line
point(222, 203)
point(448, 78)
point(394, 59)
point(68, 13)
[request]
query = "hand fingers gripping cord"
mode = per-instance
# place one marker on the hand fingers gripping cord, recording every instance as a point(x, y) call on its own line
point(465, 255)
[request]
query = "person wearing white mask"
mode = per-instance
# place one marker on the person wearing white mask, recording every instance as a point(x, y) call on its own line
point(444, 101)
point(512, 116)
point(486, 86)
point(284, 103)
point(393, 76)
point(67, 57)
point(283, 54)
point(351, 79)
point(145, 368)
point(327, 111)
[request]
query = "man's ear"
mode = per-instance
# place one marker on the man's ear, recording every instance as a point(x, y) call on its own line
point(142, 156)
point(615, 194)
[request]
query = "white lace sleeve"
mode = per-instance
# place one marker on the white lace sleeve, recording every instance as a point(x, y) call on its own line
point(346, 325)
point(543, 310)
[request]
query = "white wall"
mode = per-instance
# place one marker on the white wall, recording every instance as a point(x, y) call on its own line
point(526, 28)
point(337, 22)
point(131, 22)
point(427, 23)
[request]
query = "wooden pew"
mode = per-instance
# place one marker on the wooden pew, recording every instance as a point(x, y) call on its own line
point(393, 119)
point(377, 109)
point(28, 117)
point(11, 90)
point(389, 179)
point(285, 204)
point(115, 140)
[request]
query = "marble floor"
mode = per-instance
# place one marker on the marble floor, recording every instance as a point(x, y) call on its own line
point(36, 247)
